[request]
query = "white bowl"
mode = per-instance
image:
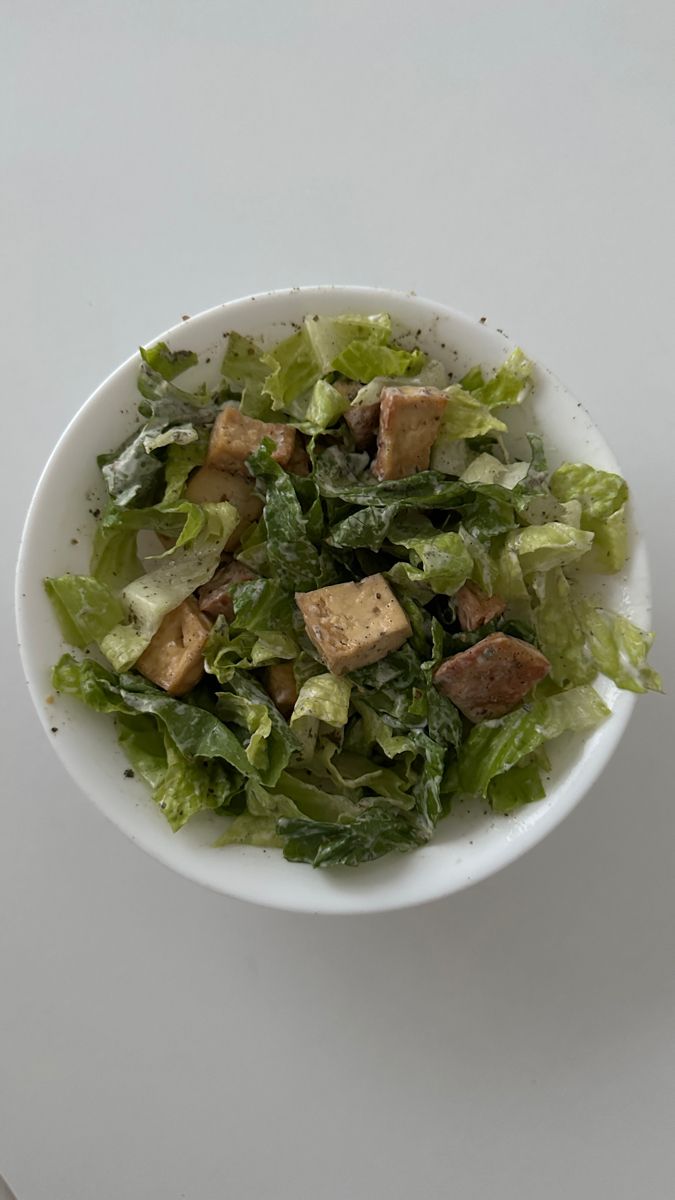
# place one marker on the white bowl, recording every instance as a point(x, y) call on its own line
point(469, 845)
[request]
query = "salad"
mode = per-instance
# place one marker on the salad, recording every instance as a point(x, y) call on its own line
point(326, 603)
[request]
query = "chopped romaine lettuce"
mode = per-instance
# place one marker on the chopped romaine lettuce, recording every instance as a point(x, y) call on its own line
point(347, 768)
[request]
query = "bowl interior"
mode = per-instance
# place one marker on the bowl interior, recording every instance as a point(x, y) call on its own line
point(472, 843)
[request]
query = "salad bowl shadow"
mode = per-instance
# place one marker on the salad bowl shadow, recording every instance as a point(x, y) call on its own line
point(473, 842)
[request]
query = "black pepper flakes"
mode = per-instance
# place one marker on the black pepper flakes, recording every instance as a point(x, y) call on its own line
point(129, 774)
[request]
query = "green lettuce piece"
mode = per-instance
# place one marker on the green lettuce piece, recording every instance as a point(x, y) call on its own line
point(290, 552)
point(366, 527)
point(326, 406)
point(380, 829)
point(561, 637)
point(168, 363)
point(321, 698)
point(485, 468)
point(293, 369)
point(247, 830)
point(463, 417)
point(610, 544)
point(144, 744)
point(187, 787)
point(602, 496)
point(133, 473)
point(180, 462)
point(355, 774)
point(114, 559)
point(600, 493)
point(194, 732)
point(543, 547)
point(271, 743)
point(381, 730)
point(473, 380)
point(230, 649)
point(242, 366)
point(367, 358)
point(510, 384)
point(86, 609)
point(619, 649)
point(296, 796)
point(441, 562)
point(330, 336)
point(521, 785)
point(151, 597)
point(496, 746)
point(180, 787)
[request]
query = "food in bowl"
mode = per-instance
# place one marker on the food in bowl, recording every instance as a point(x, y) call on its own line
point(327, 602)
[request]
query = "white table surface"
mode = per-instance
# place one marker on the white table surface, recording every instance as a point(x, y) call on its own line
point(517, 161)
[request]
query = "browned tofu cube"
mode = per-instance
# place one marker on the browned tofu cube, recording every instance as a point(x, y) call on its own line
point(208, 485)
point(215, 597)
point(476, 608)
point(282, 687)
point(354, 624)
point(235, 436)
point(493, 677)
point(174, 659)
point(410, 418)
point(363, 420)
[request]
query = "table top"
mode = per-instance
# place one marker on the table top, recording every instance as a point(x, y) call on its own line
point(515, 161)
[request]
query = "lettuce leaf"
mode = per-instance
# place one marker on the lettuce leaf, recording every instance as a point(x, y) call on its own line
point(330, 336)
point(168, 363)
point(560, 634)
point(619, 649)
point(180, 461)
point(293, 369)
point(242, 366)
point(485, 468)
point(521, 785)
point(509, 385)
point(322, 698)
point(151, 597)
point(603, 497)
point(85, 608)
point(133, 472)
point(290, 552)
point(496, 746)
point(194, 732)
point(441, 562)
point(247, 830)
point(180, 787)
point(543, 547)
point(326, 406)
point(367, 358)
point(271, 743)
point(380, 829)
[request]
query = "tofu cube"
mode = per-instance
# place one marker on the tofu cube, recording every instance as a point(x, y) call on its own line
point(235, 436)
point(354, 624)
point(215, 597)
point(491, 678)
point(363, 420)
point(282, 687)
point(174, 659)
point(208, 485)
point(410, 418)
point(475, 608)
